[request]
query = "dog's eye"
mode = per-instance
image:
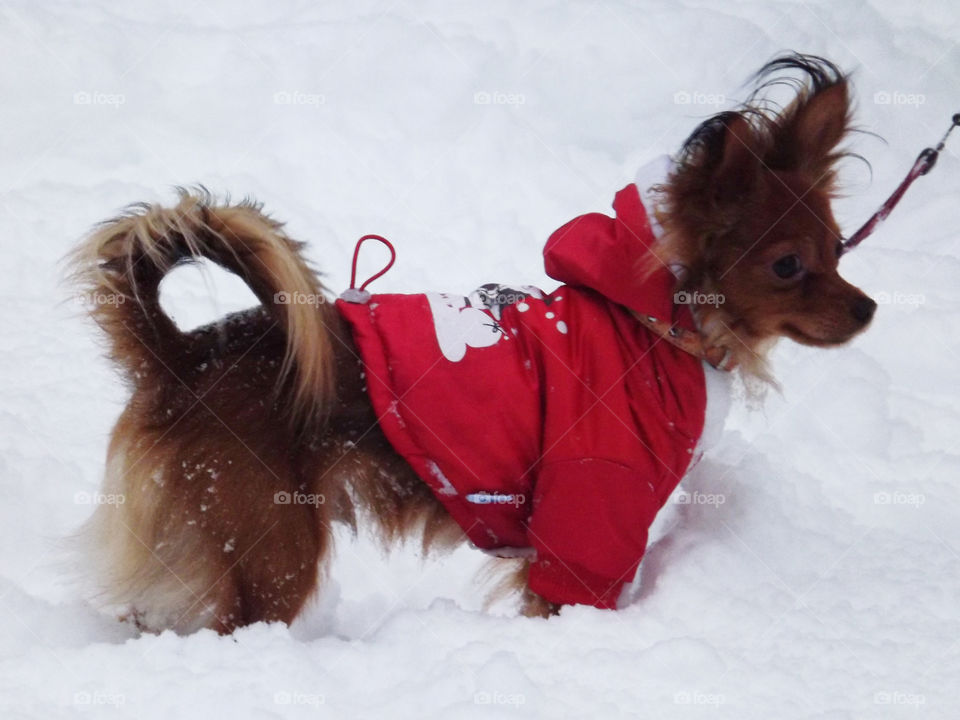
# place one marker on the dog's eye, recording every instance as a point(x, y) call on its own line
point(787, 267)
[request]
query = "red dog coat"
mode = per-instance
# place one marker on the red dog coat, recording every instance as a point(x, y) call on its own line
point(548, 421)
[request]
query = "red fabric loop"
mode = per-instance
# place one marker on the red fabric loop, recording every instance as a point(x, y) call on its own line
point(356, 256)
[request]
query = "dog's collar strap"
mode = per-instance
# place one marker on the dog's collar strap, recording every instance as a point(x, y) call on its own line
point(690, 342)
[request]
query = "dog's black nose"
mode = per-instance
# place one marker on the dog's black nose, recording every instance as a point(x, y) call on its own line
point(863, 309)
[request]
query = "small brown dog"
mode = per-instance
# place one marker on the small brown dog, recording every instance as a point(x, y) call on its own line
point(273, 402)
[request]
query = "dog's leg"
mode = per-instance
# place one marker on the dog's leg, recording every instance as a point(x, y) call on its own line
point(510, 578)
point(216, 522)
point(531, 604)
point(261, 517)
point(280, 571)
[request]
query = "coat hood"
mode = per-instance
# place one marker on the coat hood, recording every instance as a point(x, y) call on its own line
point(612, 256)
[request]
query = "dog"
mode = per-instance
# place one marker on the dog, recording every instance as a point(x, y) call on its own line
point(545, 428)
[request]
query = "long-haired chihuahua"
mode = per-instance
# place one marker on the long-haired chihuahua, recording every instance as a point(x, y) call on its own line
point(545, 428)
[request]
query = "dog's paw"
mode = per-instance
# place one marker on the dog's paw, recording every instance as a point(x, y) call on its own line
point(535, 606)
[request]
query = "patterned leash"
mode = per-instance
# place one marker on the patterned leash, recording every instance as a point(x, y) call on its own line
point(924, 164)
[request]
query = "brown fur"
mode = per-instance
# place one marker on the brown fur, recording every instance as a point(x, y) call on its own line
point(207, 440)
point(226, 421)
point(752, 187)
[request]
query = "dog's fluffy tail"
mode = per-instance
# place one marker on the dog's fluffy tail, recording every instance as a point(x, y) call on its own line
point(121, 264)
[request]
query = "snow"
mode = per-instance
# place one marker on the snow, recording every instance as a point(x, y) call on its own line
point(446, 488)
point(826, 582)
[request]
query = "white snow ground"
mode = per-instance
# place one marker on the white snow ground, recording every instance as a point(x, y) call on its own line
point(826, 582)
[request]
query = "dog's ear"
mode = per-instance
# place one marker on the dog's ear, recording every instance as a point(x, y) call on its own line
point(739, 162)
point(810, 130)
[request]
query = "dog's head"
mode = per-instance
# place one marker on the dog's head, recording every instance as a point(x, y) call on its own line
point(747, 216)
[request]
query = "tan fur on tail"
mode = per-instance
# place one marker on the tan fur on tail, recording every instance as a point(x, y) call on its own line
point(121, 264)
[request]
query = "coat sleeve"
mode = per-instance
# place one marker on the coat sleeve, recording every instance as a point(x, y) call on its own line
point(589, 528)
